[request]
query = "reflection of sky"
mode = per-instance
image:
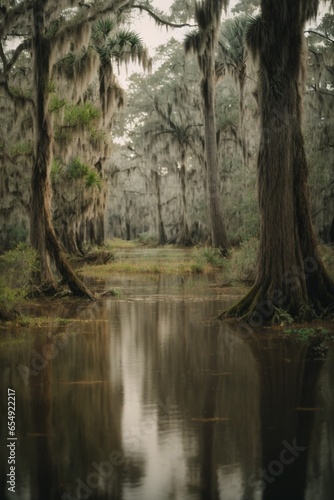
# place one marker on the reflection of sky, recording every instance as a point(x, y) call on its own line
point(230, 482)
point(162, 453)
point(162, 441)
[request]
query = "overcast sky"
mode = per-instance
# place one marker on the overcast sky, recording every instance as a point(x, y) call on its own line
point(153, 35)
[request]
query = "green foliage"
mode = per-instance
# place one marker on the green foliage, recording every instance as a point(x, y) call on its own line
point(148, 239)
point(61, 135)
point(243, 213)
point(16, 267)
point(68, 63)
point(79, 170)
point(232, 54)
point(211, 256)
point(81, 115)
point(241, 266)
point(93, 179)
point(56, 103)
point(57, 168)
point(22, 149)
point(112, 292)
point(20, 92)
point(306, 333)
point(76, 169)
point(248, 7)
point(12, 235)
point(102, 29)
point(197, 268)
point(282, 317)
point(51, 87)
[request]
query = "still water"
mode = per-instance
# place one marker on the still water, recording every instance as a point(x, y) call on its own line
point(147, 397)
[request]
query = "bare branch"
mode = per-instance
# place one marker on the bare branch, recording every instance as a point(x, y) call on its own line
point(322, 35)
point(25, 45)
point(159, 20)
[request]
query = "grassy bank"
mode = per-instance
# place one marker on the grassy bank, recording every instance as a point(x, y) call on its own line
point(136, 258)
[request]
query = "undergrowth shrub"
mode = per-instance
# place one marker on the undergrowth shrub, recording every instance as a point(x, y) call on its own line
point(16, 267)
point(148, 239)
point(241, 266)
point(212, 256)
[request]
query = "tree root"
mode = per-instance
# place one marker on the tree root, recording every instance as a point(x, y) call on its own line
point(259, 308)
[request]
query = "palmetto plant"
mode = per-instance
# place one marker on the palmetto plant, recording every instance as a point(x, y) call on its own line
point(203, 43)
point(115, 45)
point(171, 129)
point(232, 58)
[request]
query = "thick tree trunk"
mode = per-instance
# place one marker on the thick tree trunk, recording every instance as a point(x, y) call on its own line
point(43, 236)
point(218, 231)
point(290, 274)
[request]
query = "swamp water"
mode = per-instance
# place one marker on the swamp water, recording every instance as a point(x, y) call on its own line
point(147, 397)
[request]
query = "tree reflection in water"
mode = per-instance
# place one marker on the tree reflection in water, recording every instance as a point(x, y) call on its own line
point(188, 408)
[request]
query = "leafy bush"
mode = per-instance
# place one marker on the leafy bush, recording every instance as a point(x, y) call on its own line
point(12, 235)
point(211, 256)
point(16, 267)
point(22, 148)
point(241, 266)
point(76, 169)
point(93, 179)
point(148, 239)
point(79, 170)
point(81, 115)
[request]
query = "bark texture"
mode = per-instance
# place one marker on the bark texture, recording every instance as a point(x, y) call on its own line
point(207, 64)
point(290, 273)
point(43, 236)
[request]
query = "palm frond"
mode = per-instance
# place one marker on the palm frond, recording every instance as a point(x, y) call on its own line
point(128, 38)
point(310, 9)
point(232, 52)
point(255, 34)
point(193, 42)
point(102, 29)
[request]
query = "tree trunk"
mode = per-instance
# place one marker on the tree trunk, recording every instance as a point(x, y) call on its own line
point(218, 231)
point(290, 274)
point(243, 135)
point(42, 235)
point(161, 226)
point(183, 237)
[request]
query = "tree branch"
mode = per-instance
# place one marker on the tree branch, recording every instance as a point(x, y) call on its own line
point(159, 20)
point(25, 45)
point(3, 59)
point(11, 16)
point(322, 35)
point(19, 99)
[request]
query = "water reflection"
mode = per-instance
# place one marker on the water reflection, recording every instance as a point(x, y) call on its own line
point(147, 397)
